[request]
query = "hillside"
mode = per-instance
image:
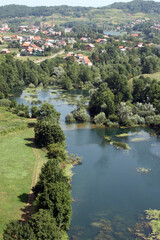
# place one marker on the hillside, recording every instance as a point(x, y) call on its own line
point(67, 16)
point(11, 11)
point(137, 6)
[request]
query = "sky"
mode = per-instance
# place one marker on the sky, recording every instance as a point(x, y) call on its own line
point(86, 3)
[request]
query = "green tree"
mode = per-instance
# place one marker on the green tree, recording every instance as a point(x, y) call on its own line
point(50, 172)
point(34, 111)
point(48, 132)
point(102, 100)
point(48, 110)
point(18, 230)
point(57, 199)
point(44, 226)
point(124, 113)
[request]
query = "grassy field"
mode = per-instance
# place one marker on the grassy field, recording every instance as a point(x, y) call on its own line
point(20, 165)
point(151, 76)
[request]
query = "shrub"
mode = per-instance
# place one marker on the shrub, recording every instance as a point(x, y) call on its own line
point(100, 118)
point(81, 115)
point(5, 102)
point(136, 119)
point(144, 110)
point(56, 150)
point(69, 118)
point(31, 85)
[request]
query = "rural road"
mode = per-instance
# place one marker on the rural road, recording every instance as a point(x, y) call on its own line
point(49, 57)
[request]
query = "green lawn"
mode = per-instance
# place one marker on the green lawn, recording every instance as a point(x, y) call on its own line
point(18, 164)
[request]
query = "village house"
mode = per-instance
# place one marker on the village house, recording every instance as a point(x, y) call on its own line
point(86, 61)
point(140, 45)
point(26, 45)
point(7, 38)
point(90, 47)
point(134, 35)
point(5, 51)
point(84, 39)
point(101, 40)
point(17, 38)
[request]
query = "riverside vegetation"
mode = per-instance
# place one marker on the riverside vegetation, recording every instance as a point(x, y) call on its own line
point(51, 216)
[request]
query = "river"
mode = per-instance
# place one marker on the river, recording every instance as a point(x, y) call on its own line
point(111, 195)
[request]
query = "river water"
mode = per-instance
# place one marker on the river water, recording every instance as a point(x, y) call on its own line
point(111, 195)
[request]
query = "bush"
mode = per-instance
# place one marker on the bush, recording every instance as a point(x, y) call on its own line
point(34, 111)
point(69, 118)
point(144, 110)
point(100, 118)
point(81, 115)
point(56, 150)
point(136, 119)
point(5, 102)
point(31, 85)
point(111, 124)
point(113, 118)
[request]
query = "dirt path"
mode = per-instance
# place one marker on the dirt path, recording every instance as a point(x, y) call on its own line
point(29, 206)
point(49, 57)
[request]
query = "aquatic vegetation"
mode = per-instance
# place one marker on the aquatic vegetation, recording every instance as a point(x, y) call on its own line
point(107, 138)
point(138, 139)
point(153, 215)
point(30, 98)
point(74, 159)
point(120, 145)
point(125, 135)
point(143, 170)
point(102, 224)
point(76, 232)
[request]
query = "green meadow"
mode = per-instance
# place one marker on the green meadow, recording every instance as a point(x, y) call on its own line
point(20, 164)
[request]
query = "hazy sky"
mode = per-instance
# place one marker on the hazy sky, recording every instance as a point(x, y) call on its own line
point(93, 3)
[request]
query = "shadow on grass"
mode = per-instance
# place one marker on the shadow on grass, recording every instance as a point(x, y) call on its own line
point(23, 197)
point(29, 208)
point(31, 143)
point(31, 125)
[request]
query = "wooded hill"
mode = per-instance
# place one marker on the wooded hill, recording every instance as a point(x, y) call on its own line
point(137, 6)
point(11, 11)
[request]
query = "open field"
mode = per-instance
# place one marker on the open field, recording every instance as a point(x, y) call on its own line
point(151, 76)
point(20, 163)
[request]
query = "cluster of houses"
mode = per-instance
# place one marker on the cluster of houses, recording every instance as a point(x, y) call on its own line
point(47, 30)
point(79, 58)
point(37, 46)
point(4, 28)
point(33, 45)
point(132, 24)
